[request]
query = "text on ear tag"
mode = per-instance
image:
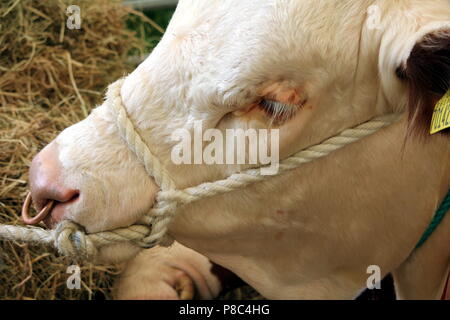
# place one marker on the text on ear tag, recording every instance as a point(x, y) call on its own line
point(441, 115)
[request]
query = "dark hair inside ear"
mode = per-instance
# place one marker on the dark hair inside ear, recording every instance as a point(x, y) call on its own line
point(427, 73)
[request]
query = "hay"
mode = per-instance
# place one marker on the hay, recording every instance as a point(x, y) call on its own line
point(50, 78)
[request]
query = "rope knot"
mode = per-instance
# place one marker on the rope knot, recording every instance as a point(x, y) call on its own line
point(72, 241)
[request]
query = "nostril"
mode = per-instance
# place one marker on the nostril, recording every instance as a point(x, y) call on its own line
point(73, 197)
point(68, 196)
point(43, 195)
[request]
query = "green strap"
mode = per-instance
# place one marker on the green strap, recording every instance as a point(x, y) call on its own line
point(439, 215)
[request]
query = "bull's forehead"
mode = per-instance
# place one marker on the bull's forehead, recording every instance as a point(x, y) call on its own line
point(239, 35)
point(233, 47)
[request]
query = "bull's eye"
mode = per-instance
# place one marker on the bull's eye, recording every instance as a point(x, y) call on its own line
point(277, 111)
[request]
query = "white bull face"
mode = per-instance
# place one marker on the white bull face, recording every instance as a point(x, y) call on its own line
point(309, 68)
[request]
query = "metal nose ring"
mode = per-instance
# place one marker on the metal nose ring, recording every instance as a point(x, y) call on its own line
point(26, 217)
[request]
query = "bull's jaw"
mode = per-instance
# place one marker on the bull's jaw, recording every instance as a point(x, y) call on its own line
point(314, 232)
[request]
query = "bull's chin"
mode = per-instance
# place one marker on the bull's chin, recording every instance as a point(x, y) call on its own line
point(116, 253)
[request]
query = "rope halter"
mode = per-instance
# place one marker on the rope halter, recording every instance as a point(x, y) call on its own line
point(70, 239)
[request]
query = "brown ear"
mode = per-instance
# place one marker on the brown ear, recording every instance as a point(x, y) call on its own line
point(427, 73)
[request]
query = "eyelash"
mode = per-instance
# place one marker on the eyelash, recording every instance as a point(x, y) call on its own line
point(277, 111)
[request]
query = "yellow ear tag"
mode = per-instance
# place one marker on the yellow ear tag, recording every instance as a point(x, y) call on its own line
point(441, 115)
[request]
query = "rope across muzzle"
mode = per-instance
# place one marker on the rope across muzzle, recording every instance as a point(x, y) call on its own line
point(70, 239)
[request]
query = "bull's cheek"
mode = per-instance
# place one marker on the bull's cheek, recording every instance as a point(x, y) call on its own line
point(117, 253)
